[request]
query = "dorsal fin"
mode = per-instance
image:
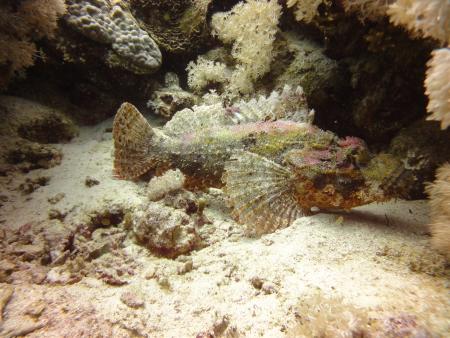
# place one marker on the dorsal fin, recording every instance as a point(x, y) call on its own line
point(289, 104)
point(132, 139)
point(197, 119)
point(262, 192)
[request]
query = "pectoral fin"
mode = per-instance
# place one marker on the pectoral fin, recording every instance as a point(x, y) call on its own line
point(261, 192)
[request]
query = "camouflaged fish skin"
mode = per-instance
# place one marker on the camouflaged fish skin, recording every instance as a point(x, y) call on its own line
point(273, 171)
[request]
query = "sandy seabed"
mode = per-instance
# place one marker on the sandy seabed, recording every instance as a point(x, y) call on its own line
point(371, 269)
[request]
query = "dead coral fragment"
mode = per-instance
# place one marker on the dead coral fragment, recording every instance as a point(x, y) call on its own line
point(439, 193)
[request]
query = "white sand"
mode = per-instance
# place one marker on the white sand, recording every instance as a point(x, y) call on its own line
point(369, 257)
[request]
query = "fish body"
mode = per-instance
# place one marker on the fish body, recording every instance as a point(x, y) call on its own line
point(273, 171)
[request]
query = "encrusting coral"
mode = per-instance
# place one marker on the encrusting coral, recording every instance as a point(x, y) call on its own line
point(21, 25)
point(439, 194)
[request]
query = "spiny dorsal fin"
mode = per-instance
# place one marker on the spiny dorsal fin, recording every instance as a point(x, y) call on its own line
point(197, 119)
point(261, 192)
point(288, 104)
point(132, 139)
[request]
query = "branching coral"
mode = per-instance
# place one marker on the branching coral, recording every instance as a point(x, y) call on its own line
point(439, 193)
point(437, 84)
point(250, 27)
point(20, 26)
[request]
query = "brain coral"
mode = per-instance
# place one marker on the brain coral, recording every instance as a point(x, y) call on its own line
point(108, 23)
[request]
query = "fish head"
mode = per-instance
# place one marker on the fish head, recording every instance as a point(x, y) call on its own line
point(330, 176)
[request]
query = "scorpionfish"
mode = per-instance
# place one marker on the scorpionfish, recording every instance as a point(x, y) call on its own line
point(266, 154)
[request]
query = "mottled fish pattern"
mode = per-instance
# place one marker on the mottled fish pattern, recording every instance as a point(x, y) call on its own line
point(274, 166)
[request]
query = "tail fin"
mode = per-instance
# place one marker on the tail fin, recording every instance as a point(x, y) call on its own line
point(132, 139)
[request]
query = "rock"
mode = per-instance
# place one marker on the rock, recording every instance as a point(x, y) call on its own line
point(113, 26)
point(165, 230)
point(29, 252)
point(60, 276)
point(32, 184)
point(6, 268)
point(186, 267)
point(36, 309)
point(28, 156)
point(160, 186)
point(132, 299)
point(268, 288)
point(6, 292)
point(56, 198)
point(26, 130)
point(303, 62)
point(163, 282)
point(257, 282)
point(19, 327)
point(102, 241)
point(90, 181)
point(110, 277)
point(420, 148)
point(179, 27)
point(56, 214)
point(168, 100)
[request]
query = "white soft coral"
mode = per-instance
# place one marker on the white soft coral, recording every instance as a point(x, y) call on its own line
point(305, 10)
point(430, 18)
point(437, 84)
point(251, 28)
